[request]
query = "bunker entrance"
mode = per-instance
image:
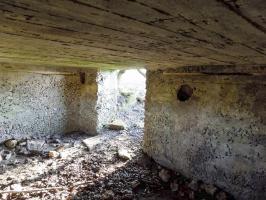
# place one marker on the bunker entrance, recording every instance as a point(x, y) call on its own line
point(121, 99)
point(131, 98)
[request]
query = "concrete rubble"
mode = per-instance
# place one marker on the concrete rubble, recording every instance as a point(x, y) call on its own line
point(116, 125)
point(123, 153)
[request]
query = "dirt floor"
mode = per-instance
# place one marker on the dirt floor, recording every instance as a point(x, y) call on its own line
point(109, 166)
point(99, 173)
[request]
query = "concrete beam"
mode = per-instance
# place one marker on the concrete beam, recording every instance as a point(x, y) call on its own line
point(126, 33)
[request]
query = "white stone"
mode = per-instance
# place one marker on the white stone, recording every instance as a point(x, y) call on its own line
point(35, 145)
point(23, 143)
point(16, 187)
point(64, 155)
point(124, 154)
point(117, 125)
point(7, 155)
point(90, 143)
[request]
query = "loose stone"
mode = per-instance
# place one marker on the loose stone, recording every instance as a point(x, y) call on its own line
point(11, 144)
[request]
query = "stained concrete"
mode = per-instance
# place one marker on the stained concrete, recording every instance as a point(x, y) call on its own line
point(86, 107)
point(130, 33)
point(218, 135)
point(38, 104)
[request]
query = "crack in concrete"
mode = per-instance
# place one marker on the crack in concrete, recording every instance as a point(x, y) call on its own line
point(237, 11)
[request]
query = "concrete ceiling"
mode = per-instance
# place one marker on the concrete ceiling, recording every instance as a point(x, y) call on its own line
point(132, 33)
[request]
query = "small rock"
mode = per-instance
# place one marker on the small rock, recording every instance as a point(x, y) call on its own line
point(60, 148)
point(193, 185)
point(191, 195)
point(95, 169)
point(164, 175)
point(57, 141)
point(221, 196)
point(7, 155)
point(181, 193)
point(117, 125)
point(64, 155)
point(174, 186)
point(16, 187)
point(210, 189)
point(53, 154)
point(91, 143)
point(135, 184)
point(22, 150)
point(11, 144)
point(76, 144)
point(124, 154)
point(110, 183)
point(108, 195)
point(35, 146)
point(23, 143)
point(1, 158)
point(128, 194)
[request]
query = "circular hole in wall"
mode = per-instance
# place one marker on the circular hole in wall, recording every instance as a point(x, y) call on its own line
point(184, 93)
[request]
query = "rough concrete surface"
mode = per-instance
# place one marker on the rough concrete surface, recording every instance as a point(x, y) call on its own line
point(36, 104)
point(218, 135)
point(130, 33)
point(87, 101)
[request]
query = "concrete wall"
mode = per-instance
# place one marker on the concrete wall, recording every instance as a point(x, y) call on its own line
point(217, 136)
point(86, 107)
point(37, 104)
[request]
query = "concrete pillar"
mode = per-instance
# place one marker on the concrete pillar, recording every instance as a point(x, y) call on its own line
point(216, 133)
point(86, 112)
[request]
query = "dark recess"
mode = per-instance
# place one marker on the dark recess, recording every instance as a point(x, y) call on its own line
point(82, 76)
point(184, 93)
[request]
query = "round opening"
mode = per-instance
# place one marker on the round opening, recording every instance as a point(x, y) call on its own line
point(184, 93)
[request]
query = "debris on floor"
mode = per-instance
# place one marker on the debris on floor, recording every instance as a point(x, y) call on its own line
point(123, 153)
point(11, 143)
point(116, 125)
point(108, 166)
point(99, 173)
point(92, 142)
